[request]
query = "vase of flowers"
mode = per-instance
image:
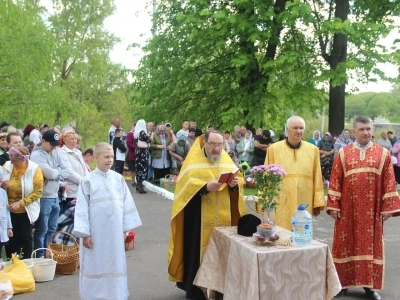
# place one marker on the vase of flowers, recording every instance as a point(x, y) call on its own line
point(268, 182)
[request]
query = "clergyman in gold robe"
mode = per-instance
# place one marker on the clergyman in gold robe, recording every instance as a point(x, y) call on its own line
point(303, 182)
point(201, 203)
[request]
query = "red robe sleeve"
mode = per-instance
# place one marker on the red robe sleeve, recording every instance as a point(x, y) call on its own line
point(390, 198)
point(336, 182)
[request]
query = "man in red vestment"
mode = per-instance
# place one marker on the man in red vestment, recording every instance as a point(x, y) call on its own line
point(362, 194)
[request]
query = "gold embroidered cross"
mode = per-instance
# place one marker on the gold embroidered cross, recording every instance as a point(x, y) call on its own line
point(352, 179)
point(343, 236)
point(354, 197)
point(353, 162)
point(371, 213)
point(371, 161)
point(370, 196)
point(370, 178)
point(371, 230)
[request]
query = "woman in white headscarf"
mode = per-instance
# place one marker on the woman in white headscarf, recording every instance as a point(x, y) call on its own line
point(141, 154)
point(316, 139)
point(245, 148)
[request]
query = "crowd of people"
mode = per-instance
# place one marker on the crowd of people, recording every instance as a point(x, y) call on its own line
point(46, 181)
point(42, 168)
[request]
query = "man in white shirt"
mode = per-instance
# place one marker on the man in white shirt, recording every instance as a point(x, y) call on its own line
point(185, 129)
point(116, 123)
point(119, 151)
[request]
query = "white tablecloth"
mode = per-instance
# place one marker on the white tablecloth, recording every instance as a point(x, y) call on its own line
point(240, 269)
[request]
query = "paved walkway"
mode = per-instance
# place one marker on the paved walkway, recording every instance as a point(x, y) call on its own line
point(147, 264)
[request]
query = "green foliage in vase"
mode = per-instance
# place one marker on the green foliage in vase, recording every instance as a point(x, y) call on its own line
point(268, 182)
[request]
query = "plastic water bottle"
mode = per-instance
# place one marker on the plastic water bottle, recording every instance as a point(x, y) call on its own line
point(302, 231)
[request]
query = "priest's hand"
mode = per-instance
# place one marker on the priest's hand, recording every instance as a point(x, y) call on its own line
point(234, 182)
point(335, 214)
point(213, 186)
point(386, 216)
point(316, 211)
point(87, 242)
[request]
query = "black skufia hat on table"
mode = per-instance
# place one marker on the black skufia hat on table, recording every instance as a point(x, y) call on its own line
point(247, 225)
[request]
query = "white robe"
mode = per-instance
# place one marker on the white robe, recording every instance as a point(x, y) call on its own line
point(104, 211)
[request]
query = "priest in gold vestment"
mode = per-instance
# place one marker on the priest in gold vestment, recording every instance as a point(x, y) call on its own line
point(200, 204)
point(303, 182)
point(362, 194)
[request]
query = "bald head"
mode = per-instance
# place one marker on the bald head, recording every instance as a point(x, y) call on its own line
point(116, 122)
point(295, 127)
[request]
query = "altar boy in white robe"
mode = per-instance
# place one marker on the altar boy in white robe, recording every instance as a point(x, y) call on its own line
point(104, 211)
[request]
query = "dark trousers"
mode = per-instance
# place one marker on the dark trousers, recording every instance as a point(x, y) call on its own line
point(119, 166)
point(397, 173)
point(258, 161)
point(22, 236)
point(160, 173)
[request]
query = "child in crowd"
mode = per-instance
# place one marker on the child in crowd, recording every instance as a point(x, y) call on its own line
point(104, 212)
point(6, 226)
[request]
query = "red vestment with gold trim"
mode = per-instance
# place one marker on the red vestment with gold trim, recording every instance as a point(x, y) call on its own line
point(362, 187)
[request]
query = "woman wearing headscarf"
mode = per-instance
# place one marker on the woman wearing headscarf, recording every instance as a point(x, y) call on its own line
point(178, 151)
point(161, 161)
point(326, 155)
point(141, 154)
point(342, 140)
point(23, 181)
point(316, 138)
point(245, 148)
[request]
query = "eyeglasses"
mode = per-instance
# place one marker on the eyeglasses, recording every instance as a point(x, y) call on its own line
point(216, 145)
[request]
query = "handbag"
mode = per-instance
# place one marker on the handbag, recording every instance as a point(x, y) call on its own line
point(142, 144)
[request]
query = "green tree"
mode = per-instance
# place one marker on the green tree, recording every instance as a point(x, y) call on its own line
point(348, 34)
point(25, 65)
point(224, 61)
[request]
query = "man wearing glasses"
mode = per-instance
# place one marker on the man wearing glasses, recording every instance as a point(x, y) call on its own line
point(201, 203)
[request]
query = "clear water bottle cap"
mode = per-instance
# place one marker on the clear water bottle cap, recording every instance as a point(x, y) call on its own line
point(302, 206)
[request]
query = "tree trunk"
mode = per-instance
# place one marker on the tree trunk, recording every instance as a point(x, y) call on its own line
point(336, 108)
point(337, 56)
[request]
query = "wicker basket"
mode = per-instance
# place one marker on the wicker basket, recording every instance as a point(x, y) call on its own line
point(67, 257)
point(168, 182)
point(43, 268)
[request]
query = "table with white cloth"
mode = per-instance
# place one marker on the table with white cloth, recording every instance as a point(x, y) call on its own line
point(240, 269)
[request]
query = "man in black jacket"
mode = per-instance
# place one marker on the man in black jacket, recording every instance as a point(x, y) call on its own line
point(119, 151)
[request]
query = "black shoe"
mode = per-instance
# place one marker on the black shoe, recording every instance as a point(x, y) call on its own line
point(140, 189)
point(371, 294)
point(134, 184)
point(341, 293)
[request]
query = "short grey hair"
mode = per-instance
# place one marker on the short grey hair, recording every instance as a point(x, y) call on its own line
point(207, 134)
point(293, 117)
point(363, 120)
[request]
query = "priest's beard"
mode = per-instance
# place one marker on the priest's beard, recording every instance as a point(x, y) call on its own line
point(213, 156)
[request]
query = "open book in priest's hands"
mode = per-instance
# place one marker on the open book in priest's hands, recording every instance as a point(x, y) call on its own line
point(227, 177)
